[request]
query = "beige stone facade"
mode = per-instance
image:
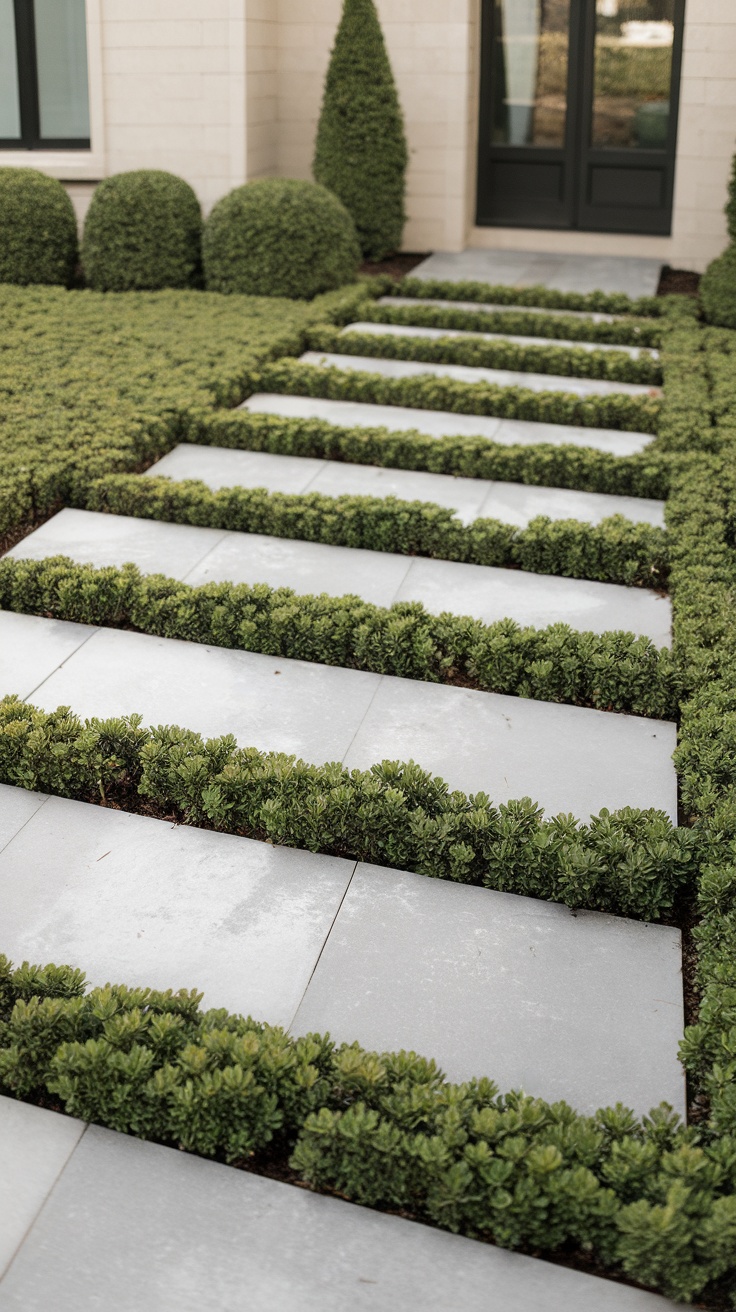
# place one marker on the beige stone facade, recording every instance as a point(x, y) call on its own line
point(222, 91)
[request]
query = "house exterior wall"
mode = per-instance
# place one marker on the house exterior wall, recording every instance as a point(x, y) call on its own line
point(222, 91)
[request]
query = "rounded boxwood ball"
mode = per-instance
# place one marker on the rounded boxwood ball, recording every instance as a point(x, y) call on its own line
point(279, 237)
point(38, 229)
point(143, 231)
point(718, 290)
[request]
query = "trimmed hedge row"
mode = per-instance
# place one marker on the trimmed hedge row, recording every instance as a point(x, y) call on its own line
point(143, 230)
point(613, 671)
point(614, 551)
point(38, 229)
point(427, 392)
point(646, 307)
point(542, 465)
point(522, 323)
point(629, 862)
point(614, 366)
point(647, 1197)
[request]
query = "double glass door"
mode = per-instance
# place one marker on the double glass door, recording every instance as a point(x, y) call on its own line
point(578, 115)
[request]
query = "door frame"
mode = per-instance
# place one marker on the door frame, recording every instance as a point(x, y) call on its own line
point(577, 158)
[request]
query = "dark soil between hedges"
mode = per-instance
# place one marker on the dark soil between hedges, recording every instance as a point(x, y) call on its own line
point(396, 266)
point(678, 282)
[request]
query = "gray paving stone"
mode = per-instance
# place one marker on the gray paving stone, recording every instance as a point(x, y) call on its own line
point(518, 503)
point(436, 334)
point(30, 648)
point(35, 1146)
point(440, 423)
point(565, 273)
point(411, 301)
point(313, 567)
point(194, 1236)
point(461, 373)
point(128, 898)
point(254, 468)
point(576, 1006)
point(98, 539)
point(567, 758)
point(378, 577)
point(463, 495)
point(535, 599)
point(16, 808)
point(267, 702)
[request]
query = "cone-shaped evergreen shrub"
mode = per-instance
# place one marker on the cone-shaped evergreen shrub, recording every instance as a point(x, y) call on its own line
point(279, 237)
point(718, 290)
point(361, 151)
point(143, 232)
point(731, 202)
point(38, 229)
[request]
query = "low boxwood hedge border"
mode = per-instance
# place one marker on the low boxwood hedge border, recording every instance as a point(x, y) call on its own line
point(565, 361)
point(519, 322)
point(614, 551)
point(543, 298)
point(613, 671)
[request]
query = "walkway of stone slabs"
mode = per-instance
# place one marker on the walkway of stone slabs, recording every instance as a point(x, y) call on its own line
point(586, 1007)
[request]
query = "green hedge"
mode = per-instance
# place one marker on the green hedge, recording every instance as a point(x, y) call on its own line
point(522, 323)
point(38, 229)
point(360, 151)
point(630, 862)
point(614, 551)
point(543, 298)
point(279, 237)
point(427, 392)
point(613, 671)
point(614, 366)
point(143, 231)
point(718, 289)
point(543, 465)
point(647, 1197)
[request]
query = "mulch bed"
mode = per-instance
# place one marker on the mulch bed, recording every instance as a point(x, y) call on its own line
point(678, 282)
point(396, 266)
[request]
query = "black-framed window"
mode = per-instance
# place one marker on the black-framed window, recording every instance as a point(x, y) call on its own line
point(44, 94)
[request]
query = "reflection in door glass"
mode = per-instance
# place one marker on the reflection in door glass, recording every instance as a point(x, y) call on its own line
point(633, 73)
point(530, 72)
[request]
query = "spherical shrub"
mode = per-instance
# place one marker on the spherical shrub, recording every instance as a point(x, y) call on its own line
point(38, 229)
point(279, 237)
point(143, 231)
point(718, 290)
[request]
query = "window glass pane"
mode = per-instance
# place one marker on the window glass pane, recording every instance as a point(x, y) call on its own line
point(530, 72)
point(61, 52)
point(9, 106)
point(633, 73)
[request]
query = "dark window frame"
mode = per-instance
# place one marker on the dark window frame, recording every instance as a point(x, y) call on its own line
point(30, 117)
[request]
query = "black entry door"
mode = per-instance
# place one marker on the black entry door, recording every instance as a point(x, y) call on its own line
point(578, 114)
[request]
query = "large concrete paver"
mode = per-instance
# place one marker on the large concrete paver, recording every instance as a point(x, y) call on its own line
point(131, 899)
point(437, 334)
point(136, 1227)
point(461, 373)
point(97, 539)
point(410, 302)
point(576, 1006)
point(441, 423)
point(16, 808)
point(35, 1146)
point(631, 275)
point(567, 758)
point(24, 662)
point(471, 498)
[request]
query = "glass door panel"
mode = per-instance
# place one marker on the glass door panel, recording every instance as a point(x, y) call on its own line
point(531, 49)
point(9, 100)
point(632, 76)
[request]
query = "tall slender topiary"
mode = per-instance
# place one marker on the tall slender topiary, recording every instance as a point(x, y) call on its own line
point(361, 152)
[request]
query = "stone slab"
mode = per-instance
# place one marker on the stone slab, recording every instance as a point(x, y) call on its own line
point(311, 711)
point(566, 758)
point(535, 599)
point(461, 373)
point(35, 1146)
point(518, 503)
point(409, 302)
point(16, 808)
point(215, 466)
point(97, 539)
point(441, 423)
point(31, 648)
point(633, 276)
point(437, 334)
point(582, 1007)
point(195, 1236)
point(131, 899)
point(465, 496)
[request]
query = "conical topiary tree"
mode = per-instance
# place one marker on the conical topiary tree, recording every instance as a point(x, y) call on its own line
point(361, 151)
